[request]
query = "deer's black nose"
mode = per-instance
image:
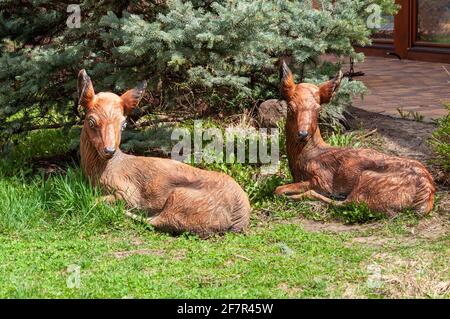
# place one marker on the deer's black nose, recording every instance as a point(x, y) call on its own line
point(302, 134)
point(110, 150)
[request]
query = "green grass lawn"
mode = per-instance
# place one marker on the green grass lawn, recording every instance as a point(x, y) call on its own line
point(134, 262)
point(48, 223)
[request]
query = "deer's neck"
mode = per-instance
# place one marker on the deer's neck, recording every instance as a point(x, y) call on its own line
point(314, 144)
point(299, 154)
point(92, 164)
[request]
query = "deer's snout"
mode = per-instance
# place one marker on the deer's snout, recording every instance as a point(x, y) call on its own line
point(109, 151)
point(109, 141)
point(302, 134)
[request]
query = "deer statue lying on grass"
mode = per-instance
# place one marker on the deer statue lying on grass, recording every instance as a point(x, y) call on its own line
point(178, 197)
point(386, 184)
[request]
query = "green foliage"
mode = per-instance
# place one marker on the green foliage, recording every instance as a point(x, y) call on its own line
point(63, 201)
point(410, 115)
point(354, 213)
point(276, 260)
point(20, 153)
point(258, 187)
point(75, 203)
point(337, 138)
point(134, 264)
point(441, 142)
point(21, 204)
point(195, 51)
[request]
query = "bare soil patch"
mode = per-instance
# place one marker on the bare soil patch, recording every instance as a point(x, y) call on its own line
point(331, 226)
point(173, 254)
point(291, 291)
point(412, 277)
point(400, 137)
point(432, 228)
point(147, 252)
point(373, 240)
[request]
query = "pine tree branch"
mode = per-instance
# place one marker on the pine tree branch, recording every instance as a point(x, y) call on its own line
point(31, 128)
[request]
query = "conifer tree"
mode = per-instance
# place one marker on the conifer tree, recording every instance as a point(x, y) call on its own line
point(223, 52)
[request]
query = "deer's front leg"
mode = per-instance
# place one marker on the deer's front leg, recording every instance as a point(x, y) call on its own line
point(110, 199)
point(291, 189)
point(311, 194)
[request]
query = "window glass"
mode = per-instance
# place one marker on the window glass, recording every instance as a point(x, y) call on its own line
point(433, 21)
point(386, 30)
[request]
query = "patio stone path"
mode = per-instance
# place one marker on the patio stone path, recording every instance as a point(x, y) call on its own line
point(413, 86)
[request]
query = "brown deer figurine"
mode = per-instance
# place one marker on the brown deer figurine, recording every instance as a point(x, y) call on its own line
point(386, 184)
point(178, 198)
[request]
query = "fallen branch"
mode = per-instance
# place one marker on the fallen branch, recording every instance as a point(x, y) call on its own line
point(138, 218)
point(370, 133)
point(243, 257)
point(445, 69)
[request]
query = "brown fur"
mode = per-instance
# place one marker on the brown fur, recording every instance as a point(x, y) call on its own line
point(178, 197)
point(385, 183)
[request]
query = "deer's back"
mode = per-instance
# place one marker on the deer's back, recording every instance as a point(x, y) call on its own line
point(337, 170)
point(149, 181)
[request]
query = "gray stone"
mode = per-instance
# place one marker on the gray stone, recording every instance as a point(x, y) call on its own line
point(270, 112)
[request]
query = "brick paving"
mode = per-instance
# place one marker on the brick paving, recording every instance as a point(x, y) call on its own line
point(413, 86)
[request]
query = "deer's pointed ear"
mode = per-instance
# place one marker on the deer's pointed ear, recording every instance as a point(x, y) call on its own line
point(328, 89)
point(131, 98)
point(287, 81)
point(86, 92)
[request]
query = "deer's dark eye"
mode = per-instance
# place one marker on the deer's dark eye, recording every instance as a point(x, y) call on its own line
point(124, 125)
point(92, 123)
